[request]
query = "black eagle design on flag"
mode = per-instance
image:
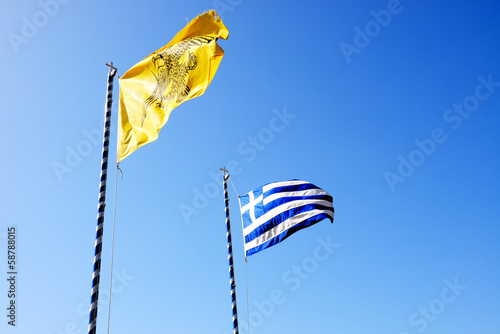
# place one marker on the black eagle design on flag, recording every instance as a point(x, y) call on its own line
point(172, 70)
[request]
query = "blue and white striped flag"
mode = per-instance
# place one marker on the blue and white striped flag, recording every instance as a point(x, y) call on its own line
point(275, 211)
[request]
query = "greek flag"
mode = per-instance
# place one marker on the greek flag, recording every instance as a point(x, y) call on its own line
point(275, 211)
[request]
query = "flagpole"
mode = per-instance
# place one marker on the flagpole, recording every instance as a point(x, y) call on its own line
point(102, 203)
point(245, 255)
point(230, 255)
point(246, 276)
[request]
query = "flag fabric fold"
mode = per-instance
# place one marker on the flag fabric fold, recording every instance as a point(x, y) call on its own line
point(179, 71)
point(275, 211)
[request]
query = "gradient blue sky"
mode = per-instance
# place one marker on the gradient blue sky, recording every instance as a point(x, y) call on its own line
point(391, 106)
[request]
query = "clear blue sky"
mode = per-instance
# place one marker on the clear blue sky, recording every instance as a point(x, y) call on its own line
point(392, 107)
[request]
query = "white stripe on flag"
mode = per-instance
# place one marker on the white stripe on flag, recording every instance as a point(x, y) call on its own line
point(270, 186)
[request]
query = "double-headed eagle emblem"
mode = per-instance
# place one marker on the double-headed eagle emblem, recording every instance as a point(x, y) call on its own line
point(172, 67)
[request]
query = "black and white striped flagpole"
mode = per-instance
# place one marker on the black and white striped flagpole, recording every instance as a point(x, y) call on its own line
point(102, 203)
point(230, 256)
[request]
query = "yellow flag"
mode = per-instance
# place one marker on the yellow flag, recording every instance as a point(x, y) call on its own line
point(179, 71)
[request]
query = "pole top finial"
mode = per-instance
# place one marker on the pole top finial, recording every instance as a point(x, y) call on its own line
point(112, 69)
point(224, 170)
